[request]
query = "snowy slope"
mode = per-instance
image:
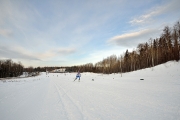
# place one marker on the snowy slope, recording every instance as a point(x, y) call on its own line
point(108, 97)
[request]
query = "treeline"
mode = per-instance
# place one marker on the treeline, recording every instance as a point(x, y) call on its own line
point(154, 52)
point(149, 54)
point(31, 69)
point(8, 68)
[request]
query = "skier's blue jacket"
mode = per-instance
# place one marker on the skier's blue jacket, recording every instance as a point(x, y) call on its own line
point(78, 75)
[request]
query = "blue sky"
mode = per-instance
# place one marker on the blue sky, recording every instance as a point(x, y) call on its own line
point(75, 32)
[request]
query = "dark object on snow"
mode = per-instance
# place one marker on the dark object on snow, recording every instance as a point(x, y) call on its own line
point(92, 79)
point(141, 79)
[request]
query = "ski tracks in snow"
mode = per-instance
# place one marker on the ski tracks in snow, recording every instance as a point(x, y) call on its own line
point(73, 111)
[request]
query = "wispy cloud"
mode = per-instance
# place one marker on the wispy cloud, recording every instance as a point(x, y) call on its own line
point(75, 31)
point(6, 52)
point(18, 52)
point(147, 25)
point(134, 38)
point(170, 7)
point(66, 51)
point(15, 13)
point(145, 18)
point(6, 33)
point(62, 52)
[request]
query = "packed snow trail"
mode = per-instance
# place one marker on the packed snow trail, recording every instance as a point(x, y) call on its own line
point(56, 97)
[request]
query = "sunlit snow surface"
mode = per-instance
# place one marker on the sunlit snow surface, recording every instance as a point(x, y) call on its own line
point(108, 97)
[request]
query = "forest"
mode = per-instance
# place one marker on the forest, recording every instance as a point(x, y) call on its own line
point(151, 53)
point(8, 68)
point(154, 52)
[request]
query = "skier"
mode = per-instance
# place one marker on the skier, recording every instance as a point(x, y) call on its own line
point(78, 76)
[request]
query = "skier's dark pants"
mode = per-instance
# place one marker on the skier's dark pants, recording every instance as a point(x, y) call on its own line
point(77, 77)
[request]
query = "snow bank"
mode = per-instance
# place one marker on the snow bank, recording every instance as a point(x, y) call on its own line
point(109, 97)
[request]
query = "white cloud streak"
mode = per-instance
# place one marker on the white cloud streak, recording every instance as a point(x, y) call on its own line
point(134, 38)
point(6, 52)
point(172, 7)
point(62, 52)
point(148, 23)
point(22, 53)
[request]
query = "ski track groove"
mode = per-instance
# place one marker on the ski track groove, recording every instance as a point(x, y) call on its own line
point(61, 100)
point(70, 99)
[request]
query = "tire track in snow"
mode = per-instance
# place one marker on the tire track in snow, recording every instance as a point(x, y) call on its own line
point(72, 110)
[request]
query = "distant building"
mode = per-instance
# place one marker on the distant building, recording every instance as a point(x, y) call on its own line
point(61, 70)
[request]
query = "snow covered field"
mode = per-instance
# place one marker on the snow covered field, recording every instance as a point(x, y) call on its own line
point(108, 97)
